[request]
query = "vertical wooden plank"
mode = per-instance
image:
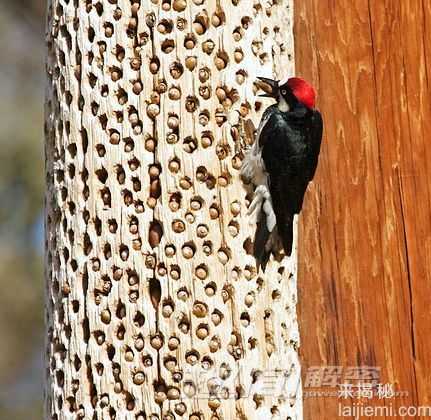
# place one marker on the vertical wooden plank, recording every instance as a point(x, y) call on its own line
point(364, 233)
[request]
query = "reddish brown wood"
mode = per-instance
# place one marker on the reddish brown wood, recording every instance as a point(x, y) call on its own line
point(365, 234)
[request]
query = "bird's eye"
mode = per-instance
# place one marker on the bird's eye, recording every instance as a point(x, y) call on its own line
point(284, 91)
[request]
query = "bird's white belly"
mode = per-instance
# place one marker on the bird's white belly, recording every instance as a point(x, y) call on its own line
point(253, 167)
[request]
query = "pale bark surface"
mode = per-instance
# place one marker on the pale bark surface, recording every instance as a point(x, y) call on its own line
point(151, 288)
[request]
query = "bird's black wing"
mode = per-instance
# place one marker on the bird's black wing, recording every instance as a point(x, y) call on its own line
point(291, 145)
point(314, 140)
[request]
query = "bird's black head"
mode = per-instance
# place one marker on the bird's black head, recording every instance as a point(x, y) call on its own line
point(288, 95)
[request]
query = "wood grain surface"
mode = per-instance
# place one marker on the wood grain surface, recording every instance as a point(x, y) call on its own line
point(365, 244)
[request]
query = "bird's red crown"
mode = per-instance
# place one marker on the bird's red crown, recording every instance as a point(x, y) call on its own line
point(303, 91)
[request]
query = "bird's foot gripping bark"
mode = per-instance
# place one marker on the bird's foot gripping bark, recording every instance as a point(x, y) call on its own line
point(262, 201)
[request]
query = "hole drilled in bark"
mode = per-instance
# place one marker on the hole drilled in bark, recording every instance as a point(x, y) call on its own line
point(155, 292)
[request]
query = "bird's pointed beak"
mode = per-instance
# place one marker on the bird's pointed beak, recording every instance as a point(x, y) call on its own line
point(269, 86)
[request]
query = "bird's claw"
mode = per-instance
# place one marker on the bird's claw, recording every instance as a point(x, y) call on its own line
point(262, 201)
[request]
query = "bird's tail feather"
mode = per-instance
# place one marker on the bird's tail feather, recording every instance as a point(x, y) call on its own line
point(285, 230)
point(268, 241)
point(260, 251)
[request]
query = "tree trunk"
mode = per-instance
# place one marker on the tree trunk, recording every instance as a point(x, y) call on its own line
point(155, 309)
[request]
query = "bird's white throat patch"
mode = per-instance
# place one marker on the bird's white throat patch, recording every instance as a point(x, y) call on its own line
point(282, 104)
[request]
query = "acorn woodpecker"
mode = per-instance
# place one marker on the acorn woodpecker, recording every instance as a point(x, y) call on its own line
point(281, 162)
